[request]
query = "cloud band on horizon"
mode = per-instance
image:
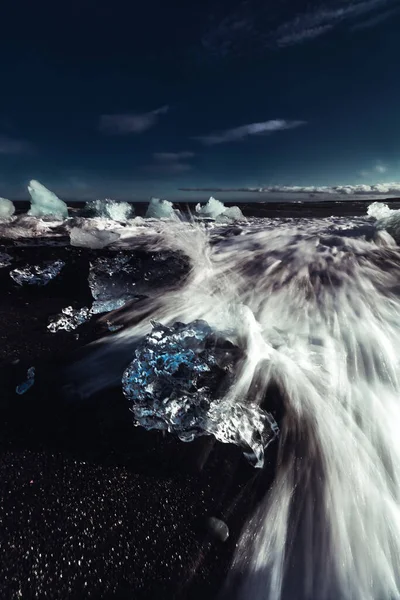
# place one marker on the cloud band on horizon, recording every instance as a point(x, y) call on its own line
point(244, 131)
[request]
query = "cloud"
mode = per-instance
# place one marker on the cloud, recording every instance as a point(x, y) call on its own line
point(170, 163)
point(239, 133)
point(377, 189)
point(375, 20)
point(380, 168)
point(131, 123)
point(313, 24)
point(169, 157)
point(13, 146)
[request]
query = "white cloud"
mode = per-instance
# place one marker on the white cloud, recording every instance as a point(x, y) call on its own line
point(380, 168)
point(172, 156)
point(239, 133)
point(313, 24)
point(392, 188)
point(131, 123)
point(170, 163)
point(13, 146)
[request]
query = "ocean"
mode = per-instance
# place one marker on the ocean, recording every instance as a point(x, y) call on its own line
point(201, 405)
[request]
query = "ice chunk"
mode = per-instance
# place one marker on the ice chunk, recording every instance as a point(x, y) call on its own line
point(95, 239)
point(7, 208)
point(69, 319)
point(26, 385)
point(110, 280)
point(45, 203)
point(176, 381)
point(160, 209)
point(5, 259)
point(214, 209)
point(110, 209)
point(37, 275)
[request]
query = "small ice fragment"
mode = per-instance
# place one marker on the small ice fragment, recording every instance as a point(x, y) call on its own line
point(69, 319)
point(110, 209)
point(7, 208)
point(5, 259)
point(160, 209)
point(45, 203)
point(175, 384)
point(37, 275)
point(26, 385)
point(95, 239)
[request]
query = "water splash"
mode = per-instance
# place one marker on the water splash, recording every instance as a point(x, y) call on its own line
point(313, 307)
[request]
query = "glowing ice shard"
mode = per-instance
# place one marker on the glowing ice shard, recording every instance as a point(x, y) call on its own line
point(176, 381)
point(45, 203)
point(26, 385)
point(37, 275)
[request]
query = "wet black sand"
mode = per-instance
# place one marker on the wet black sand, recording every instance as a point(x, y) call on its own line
point(91, 506)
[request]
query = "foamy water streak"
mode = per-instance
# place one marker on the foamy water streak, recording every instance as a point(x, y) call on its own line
point(315, 307)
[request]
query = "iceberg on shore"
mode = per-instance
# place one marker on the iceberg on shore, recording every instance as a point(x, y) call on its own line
point(215, 209)
point(7, 208)
point(45, 203)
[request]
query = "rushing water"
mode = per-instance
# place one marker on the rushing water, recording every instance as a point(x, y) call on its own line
point(314, 306)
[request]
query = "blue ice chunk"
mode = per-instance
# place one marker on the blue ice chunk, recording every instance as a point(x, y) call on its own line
point(175, 383)
point(26, 385)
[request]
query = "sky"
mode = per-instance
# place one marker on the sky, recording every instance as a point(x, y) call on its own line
point(179, 100)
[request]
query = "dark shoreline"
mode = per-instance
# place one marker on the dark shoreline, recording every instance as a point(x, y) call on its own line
point(91, 506)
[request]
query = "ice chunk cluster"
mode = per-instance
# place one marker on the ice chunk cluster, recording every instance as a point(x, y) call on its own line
point(7, 208)
point(160, 209)
point(177, 382)
point(215, 209)
point(110, 209)
point(45, 203)
point(37, 275)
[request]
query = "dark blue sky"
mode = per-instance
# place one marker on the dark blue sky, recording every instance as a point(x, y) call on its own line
point(130, 100)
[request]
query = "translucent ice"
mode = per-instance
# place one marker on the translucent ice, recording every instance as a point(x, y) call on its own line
point(214, 209)
point(37, 275)
point(177, 381)
point(95, 239)
point(110, 209)
point(110, 281)
point(160, 209)
point(7, 208)
point(45, 203)
point(26, 385)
